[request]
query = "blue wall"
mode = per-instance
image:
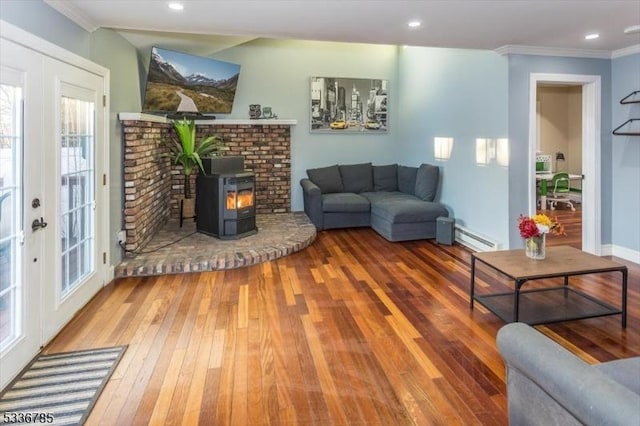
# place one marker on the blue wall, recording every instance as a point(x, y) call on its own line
point(461, 94)
point(520, 68)
point(625, 157)
point(278, 73)
point(38, 18)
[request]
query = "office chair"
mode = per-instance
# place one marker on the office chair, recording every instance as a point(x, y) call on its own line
point(561, 187)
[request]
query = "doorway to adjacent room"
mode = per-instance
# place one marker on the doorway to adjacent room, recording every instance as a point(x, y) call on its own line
point(589, 133)
point(559, 141)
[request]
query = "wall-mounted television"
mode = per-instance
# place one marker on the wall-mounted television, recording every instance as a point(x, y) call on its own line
point(180, 83)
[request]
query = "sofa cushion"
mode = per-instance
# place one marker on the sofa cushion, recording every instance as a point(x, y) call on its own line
point(385, 178)
point(407, 179)
point(346, 202)
point(357, 177)
point(624, 371)
point(379, 196)
point(427, 182)
point(408, 211)
point(328, 179)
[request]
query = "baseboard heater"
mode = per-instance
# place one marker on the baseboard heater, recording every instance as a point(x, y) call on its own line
point(474, 241)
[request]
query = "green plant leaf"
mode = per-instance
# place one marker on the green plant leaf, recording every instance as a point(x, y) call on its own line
point(186, 150)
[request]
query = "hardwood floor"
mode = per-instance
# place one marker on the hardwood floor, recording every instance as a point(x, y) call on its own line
point(572, 222)
point(351, 330)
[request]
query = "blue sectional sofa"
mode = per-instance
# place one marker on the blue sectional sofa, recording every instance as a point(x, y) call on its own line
point(397, 201)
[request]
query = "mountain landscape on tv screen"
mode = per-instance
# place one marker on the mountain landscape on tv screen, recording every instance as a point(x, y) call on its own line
point(168, 90)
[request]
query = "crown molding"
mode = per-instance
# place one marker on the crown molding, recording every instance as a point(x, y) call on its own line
point(514, 49)
point(71, 12)
point(627, 51)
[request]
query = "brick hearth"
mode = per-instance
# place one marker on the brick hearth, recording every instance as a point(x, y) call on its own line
point(179, 250)
point(153, 185)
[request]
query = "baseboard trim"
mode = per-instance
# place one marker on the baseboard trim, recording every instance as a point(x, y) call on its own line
point(621, 252)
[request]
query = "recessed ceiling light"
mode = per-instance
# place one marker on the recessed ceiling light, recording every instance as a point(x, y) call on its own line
point(175, 6)
point(414, 24)
point(591, 36)
point(634, 29)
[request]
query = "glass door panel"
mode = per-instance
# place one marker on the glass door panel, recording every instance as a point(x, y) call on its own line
point(77, 191)
point(10, 212)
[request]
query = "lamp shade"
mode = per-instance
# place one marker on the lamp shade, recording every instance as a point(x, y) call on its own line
point(559, 156)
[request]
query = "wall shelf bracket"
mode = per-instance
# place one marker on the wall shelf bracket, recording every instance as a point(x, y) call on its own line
point(631, 98)
point(629, 131)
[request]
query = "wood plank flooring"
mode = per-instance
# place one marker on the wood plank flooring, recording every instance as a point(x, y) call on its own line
point(572, 222)
point(352, 330)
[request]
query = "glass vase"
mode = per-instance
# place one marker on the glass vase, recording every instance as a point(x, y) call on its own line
point(534, 247)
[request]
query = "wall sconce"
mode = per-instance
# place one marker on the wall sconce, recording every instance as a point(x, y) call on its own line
point(502, 151)
point(442, 148)
point(485, 151)
point(559, 157)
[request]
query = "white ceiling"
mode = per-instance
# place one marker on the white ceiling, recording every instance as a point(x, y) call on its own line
point(473, 24)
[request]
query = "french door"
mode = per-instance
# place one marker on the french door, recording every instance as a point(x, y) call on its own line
point(53, 209)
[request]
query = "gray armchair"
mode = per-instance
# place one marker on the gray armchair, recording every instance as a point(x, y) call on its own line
point(548, 385)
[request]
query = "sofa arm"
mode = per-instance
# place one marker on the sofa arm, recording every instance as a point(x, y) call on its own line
point(312, 202)
point(546, 384)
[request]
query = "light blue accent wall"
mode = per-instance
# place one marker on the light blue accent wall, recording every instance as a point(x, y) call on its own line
point(520, 68)
point(277, 73)
point(40, 19)
point(461, 94)
point(625, 156)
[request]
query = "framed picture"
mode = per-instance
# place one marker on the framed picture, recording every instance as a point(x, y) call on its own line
point(348, 105)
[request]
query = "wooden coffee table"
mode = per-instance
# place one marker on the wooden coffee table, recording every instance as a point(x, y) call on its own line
point(548, 304)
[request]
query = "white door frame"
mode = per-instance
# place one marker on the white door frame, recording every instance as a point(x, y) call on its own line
point(46, 49)
point(591, 148)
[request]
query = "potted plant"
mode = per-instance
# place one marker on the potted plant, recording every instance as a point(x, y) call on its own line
point(188, 152)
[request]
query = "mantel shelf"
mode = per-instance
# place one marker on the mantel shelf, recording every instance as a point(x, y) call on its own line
point(139, 116)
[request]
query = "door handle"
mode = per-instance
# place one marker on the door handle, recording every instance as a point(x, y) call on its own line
point(38, 224)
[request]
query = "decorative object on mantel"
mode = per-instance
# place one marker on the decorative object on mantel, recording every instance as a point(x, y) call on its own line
point(534, 230)
point(267, 113)
point(188, 152)
point(254, 111)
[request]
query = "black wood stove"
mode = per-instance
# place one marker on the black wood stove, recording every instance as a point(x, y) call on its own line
point(225, 204)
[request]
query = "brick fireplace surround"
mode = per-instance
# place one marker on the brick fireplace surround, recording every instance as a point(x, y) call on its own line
point(153, 185)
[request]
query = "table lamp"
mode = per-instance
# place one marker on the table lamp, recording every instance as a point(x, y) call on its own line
point(559, 156)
